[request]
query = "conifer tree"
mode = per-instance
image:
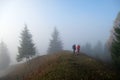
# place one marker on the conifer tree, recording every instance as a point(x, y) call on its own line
point(55, 43)
point(26, 48)
point(4, 56)
point(115, 47)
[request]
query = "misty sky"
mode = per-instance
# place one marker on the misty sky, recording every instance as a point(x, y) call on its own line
point(78, 21)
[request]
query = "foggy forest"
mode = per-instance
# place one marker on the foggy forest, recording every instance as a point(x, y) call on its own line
point(59, 40)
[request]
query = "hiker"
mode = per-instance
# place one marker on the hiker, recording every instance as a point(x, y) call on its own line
point(74, 48)
point(78, 48)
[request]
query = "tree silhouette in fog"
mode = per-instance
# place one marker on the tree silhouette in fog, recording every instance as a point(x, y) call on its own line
point(4, 56)
point(115, 48)
point(26, 48)
point(55, 43)
point(98, 50)
point(87, 49)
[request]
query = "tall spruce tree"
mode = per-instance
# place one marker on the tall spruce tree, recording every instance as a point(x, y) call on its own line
point(55, 43)
point(115, 47)
point(4, 56)
point(26, 48)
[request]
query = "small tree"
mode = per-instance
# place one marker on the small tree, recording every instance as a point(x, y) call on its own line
point(26, 48)
point(98, 50)
point(115, 48)
point(4, 56)
point(87, 49)
point(107, 55)
point(55, 44)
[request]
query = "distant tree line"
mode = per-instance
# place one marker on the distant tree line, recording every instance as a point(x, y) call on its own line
point(97, 51)
point(109, 52)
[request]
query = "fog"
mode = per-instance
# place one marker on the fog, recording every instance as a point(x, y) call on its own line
point(78, 22)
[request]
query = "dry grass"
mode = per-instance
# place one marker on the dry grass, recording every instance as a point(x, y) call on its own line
point(62, 66)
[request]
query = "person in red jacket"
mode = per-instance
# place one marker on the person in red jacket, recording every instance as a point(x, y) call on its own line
point(78, 48)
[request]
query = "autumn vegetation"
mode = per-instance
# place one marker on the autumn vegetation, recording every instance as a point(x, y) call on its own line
point(63, 66)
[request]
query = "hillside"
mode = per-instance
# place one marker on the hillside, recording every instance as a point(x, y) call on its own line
point(62, 66)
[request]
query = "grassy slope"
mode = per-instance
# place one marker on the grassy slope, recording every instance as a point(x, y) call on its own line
point(63, 66)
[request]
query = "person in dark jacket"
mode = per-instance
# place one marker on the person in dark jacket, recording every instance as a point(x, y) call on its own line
point(74, 48)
